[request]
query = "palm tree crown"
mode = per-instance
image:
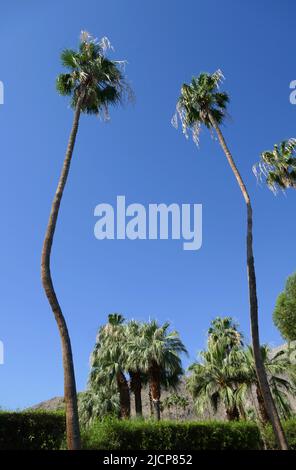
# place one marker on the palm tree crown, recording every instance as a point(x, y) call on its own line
point(278, 166)
point(215, 379)
point(198, 100)
point(225, 330)
point(156, 345)
point(92, 77)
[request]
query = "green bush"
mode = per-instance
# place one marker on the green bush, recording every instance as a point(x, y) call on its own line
point(290, 430)
point(169, 435)
point(32, 430)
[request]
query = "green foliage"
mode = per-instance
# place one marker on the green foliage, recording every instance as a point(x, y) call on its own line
point(278, 166)
point(225, 329)
point(156, 344)
point(32, 430)
point(98, 402)
point(226, 372)
point(284, 315)
point(280, 373)
point(200, 101)
point(216, 379)
point(93, 78)
point(176, 402)
point(169, 435)
point(290, 431)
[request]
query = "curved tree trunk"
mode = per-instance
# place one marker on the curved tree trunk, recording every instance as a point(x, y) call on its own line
point(124, 396)
point(136, 388)
point(259, 365)
point(154, 383)
point(72, 421)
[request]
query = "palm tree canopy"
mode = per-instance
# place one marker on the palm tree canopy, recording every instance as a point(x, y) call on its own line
point(278, 166)
point(98, 81)
point(155, 344)
point(198, 100)
point(225, 329)
point(216, 378)
point(280, 372)
point(109, 356)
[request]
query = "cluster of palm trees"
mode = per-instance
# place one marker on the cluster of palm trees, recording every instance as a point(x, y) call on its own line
point(225, 376)
point(126, 356)
point(94, 83)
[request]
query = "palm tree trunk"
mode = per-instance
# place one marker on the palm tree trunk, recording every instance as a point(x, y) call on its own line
point(232, 414)
point(136, 388)
point(150, 402)
point(242, 412)
point(154, 382)
point(262, 410)
point(72, 421)
point(259, 365)
point(124, 396)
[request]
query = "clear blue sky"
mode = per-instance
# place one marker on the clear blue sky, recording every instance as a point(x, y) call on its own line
point(139, 155)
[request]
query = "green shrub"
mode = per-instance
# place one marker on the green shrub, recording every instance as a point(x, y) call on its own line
point(32, 430)
point(170, 435)
point(290, 431)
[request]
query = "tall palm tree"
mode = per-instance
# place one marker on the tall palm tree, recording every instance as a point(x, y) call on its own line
point(94, 82)
point(159, 352)
point(278, 166)
point(202, 103)
point(108, 360)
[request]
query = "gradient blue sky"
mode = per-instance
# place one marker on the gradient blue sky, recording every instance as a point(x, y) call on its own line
point(137, 154)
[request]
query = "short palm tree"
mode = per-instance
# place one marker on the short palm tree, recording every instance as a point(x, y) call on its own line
point(278, 166)
point(94, 83)
point(215, 380)
point(202, 103)
point(108, 360)
point(278, 367)
point(159, 352)
point(97, 403)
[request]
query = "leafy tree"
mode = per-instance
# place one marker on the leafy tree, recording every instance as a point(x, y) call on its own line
point(94, 83)
point(278, 166)
point(175, 401)
point(202, 103)
point(284, 315)
point(159, 354)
